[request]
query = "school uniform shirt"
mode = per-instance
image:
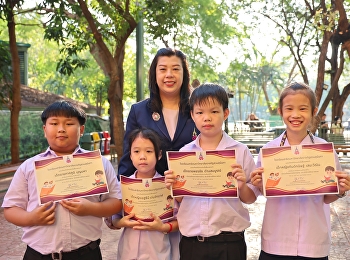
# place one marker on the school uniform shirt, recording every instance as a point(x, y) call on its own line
point(141, 115)
point(69, 231)
point(145, 245)
point(296, 225)
point(199, 216)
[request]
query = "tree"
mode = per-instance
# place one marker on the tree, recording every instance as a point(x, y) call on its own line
point(14, 101)
point(336, 33)
point(314, 27)
point(256, 78)
point(78, 25)
point(199, 30)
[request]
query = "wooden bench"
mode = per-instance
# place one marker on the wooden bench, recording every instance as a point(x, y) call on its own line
point(340, 144)
point(253, 136)
point(9, 170)
point(342, 148)
point(254, 140)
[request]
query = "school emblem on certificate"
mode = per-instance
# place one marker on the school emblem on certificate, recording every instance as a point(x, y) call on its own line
point(203, 173)
point(145, 196)
point(70, 176)
point(299, 170)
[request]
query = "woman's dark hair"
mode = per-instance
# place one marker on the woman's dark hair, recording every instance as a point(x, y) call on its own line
point(155, 101)
point(336, 118)
point(207, 91)
point(64, 108)
point(149, 134)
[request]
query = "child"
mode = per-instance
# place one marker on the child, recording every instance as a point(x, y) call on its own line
point(213, 228)
point(297, 227)
point(70, 229)
point(145, 240)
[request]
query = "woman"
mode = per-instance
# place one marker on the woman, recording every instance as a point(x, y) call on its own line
point(254, 126)
point(336, 127)
point(166, 111)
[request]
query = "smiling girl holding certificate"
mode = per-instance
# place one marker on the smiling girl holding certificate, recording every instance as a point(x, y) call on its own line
point(145, 240)
point(297, 227)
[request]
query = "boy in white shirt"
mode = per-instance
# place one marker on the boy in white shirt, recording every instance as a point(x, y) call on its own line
point(213, 228)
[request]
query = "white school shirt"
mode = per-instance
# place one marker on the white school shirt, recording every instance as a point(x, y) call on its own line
point(296, 225)
point(147, 245)
point(69, 231)
point(199, 216)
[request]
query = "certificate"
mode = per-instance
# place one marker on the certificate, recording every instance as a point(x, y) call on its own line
point(70, 176)
point(203, 173)
point(299, 170)
point(145, 196)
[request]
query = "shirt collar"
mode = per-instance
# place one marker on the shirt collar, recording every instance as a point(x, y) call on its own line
point(50, 152)
point(156, 175)
point(225, 143)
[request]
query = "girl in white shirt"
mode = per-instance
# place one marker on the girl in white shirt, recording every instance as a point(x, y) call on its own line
point(297, 227)
point(146, 240)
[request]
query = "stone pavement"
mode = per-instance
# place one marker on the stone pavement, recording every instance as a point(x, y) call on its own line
point(12, 248)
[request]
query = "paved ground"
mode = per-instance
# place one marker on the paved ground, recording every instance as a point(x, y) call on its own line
point(11, 247)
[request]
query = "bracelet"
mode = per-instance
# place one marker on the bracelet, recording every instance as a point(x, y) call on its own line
point(171, 228)
point(341, 195)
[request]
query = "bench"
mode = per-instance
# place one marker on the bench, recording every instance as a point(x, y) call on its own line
point(9, 170)
point(254, 140)
point(340, 143)
point(341, 148)
point(337, 139)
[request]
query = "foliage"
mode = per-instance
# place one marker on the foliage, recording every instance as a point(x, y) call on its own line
point(313, 32)
point(5, 74)
point(196, 33)
point(332, 16)
point(163, 17)
point(32, 140)
point(43, 55)
point(255, 81)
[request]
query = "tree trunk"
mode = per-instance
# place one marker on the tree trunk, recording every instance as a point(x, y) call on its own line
point(112, 65)
point(16, 89)
point(342, 31)
point(268, 102)
point(115, 97)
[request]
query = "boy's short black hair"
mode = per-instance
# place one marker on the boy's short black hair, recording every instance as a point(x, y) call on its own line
point(64, 108)
point(207, 91)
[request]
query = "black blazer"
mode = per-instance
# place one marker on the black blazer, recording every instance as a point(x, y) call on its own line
point(141, 116)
